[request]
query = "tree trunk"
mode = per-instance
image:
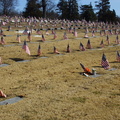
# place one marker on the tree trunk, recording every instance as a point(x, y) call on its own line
point(44, 8)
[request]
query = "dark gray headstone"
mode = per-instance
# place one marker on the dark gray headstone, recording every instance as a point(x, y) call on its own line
point(11, 100)
point(24, 61)
point(3, 65)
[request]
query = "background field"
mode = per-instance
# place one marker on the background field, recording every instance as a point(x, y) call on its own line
point(53, 87)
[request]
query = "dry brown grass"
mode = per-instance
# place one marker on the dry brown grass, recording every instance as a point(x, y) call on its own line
point(52, 87)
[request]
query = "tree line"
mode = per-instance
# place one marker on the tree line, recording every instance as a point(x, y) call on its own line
point(64, 9)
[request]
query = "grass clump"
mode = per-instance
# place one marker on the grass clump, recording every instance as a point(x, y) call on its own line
point(79, 99)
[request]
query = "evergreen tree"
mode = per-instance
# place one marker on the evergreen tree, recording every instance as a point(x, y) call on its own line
point(73, 10)
point(112, 16)
point(63, 10)
point(68, 9)
point(87, 13)
point(32, 9)
point(103, 5)
point(104, 12)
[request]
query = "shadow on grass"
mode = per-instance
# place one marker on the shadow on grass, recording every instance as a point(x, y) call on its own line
point(51, 53)
point(35, 56)
point(17, 59)
point(39, 41)
point(15, 42)
point(97, 66)
point(115, 62)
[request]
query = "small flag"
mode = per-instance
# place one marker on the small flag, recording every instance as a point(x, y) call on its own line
point(9, 28)
point(86, 70)
point(55, 35)
point(39, 50)
point(110, 32)
point(38, 31)
point(70, 30)
point(56, 51)
point(85, 36)
point(2, 94)
point(104, 62)
point(2, 41)
point(105, 32)
point(117, 40)
point(93, 33)
point(29, 23)
point(75, 33)
point(0, 27)
point(29, 36)
point(107, 39)
point(25, 32)
point(26, 48)
point(116, 31)
point(82, 66)
point(82, 47)
point(52, 31)
point(18, 38)
point(118, 56)
point(102, 44)
point(86, 30)
point(4, 23)
point(1, 32)
point(43, 38)
point(88, 45)
point(68, 48)
point(47, 33)
point(65, 36)
point(101, 33)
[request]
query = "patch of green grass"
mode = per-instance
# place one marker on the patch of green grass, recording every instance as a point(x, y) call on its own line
point(26, 117)
point(54, 118)
point(112, 105)
point(97, 92)
point(115, 94)
point(79, 99)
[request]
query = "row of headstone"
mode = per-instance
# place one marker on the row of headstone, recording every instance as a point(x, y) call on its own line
point(47, 23)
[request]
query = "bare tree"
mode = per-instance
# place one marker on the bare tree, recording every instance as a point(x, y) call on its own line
point(50, 6)
point(7, 6)
point(51, 10)
point(47, 6)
